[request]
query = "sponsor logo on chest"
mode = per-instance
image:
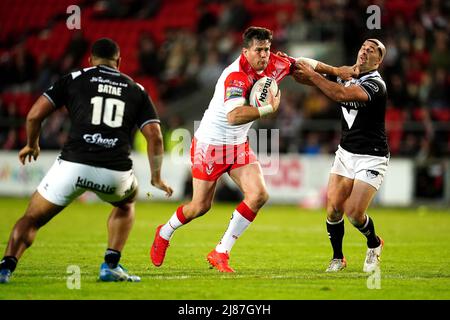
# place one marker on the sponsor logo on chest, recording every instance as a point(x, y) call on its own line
point(97, 139)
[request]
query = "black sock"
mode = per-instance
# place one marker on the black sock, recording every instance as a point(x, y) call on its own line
point(368, 229)
point(8, 262)
point(112, 258)
point(336, 234)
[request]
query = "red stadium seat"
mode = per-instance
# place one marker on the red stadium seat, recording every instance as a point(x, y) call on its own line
point(23, 101)
point(442, 115)
point(420, 114)
point(19, 16)
point(150, 86)
point(394, 127)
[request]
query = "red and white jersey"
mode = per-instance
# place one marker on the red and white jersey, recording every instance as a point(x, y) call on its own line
point(232, 90)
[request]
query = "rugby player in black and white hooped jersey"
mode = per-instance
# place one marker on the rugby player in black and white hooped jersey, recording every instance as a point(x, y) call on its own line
point(362, 157)
point(104, 107)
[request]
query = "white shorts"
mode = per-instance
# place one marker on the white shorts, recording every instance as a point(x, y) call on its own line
point(65, 181)
point(367, 168)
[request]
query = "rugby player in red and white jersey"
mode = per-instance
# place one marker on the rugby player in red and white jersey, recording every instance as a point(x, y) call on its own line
point(220, 144)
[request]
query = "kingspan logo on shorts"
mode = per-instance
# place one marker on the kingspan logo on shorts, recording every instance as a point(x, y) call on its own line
point(103, 188)
point(97, 139)
point(372, 174)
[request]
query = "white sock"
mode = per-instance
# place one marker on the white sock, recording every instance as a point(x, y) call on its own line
point(169, 228)
point(238, 224)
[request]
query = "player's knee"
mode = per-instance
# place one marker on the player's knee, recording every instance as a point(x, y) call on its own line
point(335, 209)
point(334, 214)
point(28, 222)
point(31, 221)
point(25, 230)
point(355, 215)
point(263, 197)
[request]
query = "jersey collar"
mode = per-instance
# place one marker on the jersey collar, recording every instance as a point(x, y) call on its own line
point(374, 72)
point(108, 68)
point(247, 68)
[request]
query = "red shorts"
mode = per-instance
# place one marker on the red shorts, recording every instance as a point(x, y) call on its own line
point(209, 161)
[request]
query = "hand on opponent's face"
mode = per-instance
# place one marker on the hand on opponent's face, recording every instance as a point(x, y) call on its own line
point(348, 72)
point(303, 71)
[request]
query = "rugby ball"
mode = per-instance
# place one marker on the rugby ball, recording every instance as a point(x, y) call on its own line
point(261, 91)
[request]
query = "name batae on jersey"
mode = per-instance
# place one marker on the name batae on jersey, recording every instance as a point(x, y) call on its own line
point(106, 88)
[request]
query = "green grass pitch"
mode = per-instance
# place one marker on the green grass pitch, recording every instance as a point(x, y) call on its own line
point(282, 255)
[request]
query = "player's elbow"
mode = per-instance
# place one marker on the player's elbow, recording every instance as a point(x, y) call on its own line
point(31, 118)
point(339, 98)
point(34, 116)
point(156, 138)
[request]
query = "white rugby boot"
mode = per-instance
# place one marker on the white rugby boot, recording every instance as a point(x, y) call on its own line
point(373, 257)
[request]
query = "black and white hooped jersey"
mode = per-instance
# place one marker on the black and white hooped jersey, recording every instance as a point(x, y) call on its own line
point(104, 107)
point(363, 123)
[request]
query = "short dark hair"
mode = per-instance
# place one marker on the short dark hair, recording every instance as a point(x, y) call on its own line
point(105, 48)
point(256, 33)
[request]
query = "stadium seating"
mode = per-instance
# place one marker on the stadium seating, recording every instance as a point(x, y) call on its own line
point(150, 85)
point(43, 26)
point(23, 101)
point(21, 16)
point(394, 127)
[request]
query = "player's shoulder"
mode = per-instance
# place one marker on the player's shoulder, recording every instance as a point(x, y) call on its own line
point(235, 73)
point(234, 67)
point(78, 74)
point(374, 81)
point(237, 79)
point(81, 72)
point(75, 74)
point(122, 77)
point(131, 82)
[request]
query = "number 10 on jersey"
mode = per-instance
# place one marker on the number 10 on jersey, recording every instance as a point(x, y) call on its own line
point(112, 111)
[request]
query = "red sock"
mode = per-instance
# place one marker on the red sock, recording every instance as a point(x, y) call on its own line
point(246, 212)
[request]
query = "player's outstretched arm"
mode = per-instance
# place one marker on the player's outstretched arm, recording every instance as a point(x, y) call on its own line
point(155, 153)
point(331, 89)
point(39, 111)
point(343, 72)
point(245, 114)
